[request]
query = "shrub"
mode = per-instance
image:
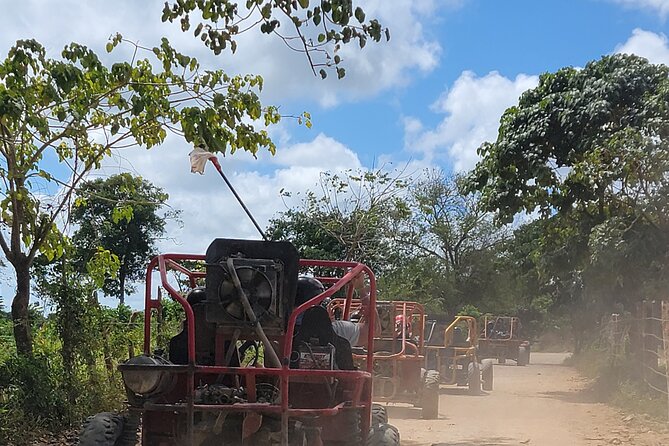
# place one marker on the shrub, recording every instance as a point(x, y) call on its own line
point(31, 398)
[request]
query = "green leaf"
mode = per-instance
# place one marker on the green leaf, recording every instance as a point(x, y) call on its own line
point(360, 14)
point(46, 175)
point(103, 264)
point(122, 213)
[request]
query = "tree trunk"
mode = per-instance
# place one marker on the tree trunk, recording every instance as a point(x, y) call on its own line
point(90, 354)
point(69, 315)
point(20, 316)
point(121, 279)
point(107, 351)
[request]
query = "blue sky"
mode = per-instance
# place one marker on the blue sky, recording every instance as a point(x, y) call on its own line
point(510, 37)
point(429, 97)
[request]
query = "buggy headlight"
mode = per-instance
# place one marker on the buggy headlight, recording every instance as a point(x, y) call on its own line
point(145, 381)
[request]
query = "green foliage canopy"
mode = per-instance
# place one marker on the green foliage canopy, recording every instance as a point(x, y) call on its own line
point(351, 217)
point(78, 110)
point(585, 139)
point(120, 214)
point(310, 238)
point(587, 149)
point(451, 248)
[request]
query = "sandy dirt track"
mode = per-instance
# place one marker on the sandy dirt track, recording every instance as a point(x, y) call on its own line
point(542, 404)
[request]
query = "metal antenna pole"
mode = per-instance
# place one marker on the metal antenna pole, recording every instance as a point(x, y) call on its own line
point(216, 164)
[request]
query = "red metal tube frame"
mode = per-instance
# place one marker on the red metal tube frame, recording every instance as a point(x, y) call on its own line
point(161, 262)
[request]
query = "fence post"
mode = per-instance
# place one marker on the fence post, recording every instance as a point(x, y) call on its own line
point(657, 318)
point(665, 337)
point(645, 360)
point(636, 342)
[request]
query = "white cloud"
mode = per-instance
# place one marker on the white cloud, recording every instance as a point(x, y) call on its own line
point(652, 46)
point(378, 67)
point(473, 107)
point(412, 127)
point(659, 6)
point(315, 154)
point(209, 209)
point(91, 23)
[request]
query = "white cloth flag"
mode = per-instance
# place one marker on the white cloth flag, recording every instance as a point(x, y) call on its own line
point(198, 160)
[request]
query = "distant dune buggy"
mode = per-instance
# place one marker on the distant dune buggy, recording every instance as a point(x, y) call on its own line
point(501, 339)
point(399, 355)
point(452, 350)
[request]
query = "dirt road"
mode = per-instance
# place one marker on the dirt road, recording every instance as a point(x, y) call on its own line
point(543, 404)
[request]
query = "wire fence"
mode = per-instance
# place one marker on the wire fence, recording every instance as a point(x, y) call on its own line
point(654, 329)
point(644, 338)
point(616, 335)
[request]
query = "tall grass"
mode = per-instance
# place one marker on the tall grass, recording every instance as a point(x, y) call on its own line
point(39, 394)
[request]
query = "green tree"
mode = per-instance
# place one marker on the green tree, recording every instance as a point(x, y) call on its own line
point(351, 217)
point(448, 222)
point(537, 265)
point(587, 149)
point(543, 263)
point(418, 278)
point(450, 233)
point(591, 140)
point(121, 214)
point(77, 110)
point(72, 292)
point(309, 237)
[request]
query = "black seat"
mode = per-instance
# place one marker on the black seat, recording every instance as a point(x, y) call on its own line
point(205, 334)
point(316, 325)
point(459, 339)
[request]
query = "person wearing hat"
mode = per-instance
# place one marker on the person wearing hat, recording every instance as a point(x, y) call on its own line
point(355, 333)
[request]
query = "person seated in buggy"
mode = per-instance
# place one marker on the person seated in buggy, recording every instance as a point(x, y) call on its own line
point(356, 333)
point(403, 328)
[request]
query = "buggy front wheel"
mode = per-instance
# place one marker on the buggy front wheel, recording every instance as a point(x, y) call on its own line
point(379, 414)
point(102, 429)
point(474, 378)
point(383, 435)
point(430, 396)
point(487, 374)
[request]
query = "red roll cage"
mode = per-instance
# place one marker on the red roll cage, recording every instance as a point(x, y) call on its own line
point(360, 379)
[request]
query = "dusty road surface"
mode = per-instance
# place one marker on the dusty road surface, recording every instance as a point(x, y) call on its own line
point(542, 404)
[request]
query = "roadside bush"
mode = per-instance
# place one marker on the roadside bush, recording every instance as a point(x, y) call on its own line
point(616, 380)
point(31, 398)
point(636, 397)
point(6, 338)
point(470, 310)
point(39, 393)
point(42, 394)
